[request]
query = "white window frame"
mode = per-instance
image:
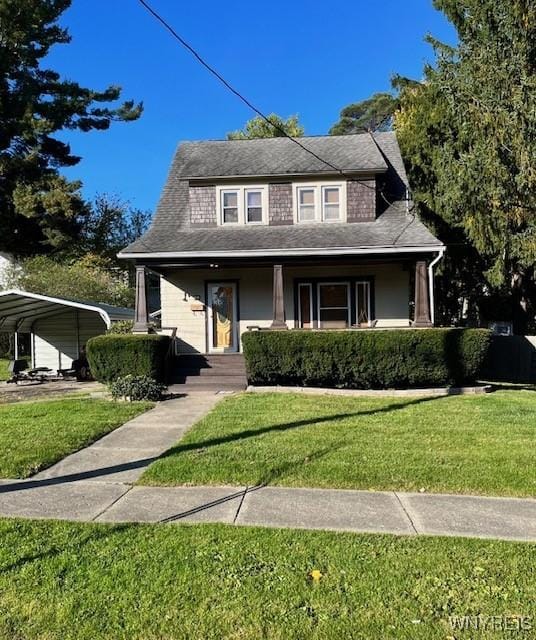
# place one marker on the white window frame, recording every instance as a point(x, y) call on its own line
point(348, 301)
point(318, 188)
point(242, 191)
point(307, 285)
point(369, 308)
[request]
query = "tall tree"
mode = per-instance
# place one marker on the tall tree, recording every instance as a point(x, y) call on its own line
point(110, 225)
point(468, 134)
point(373, 114)
point(258, 128)
point(40, 210)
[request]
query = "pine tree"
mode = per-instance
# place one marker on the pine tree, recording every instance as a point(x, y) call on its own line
point(39, 209)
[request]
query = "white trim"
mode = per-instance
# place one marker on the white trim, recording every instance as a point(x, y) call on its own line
point(431, 283)
point(66, 303)
point(348, 301)
point(234, 330)
point(318, 187)
point(302, 251)
point(310, 287)
point(241, 191)
point(369, 310)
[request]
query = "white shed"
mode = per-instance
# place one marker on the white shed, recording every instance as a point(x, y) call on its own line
point(58, 327)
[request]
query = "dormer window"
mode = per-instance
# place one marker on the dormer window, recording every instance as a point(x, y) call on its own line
point(242, 205)
point(307, 205)
point(229, 207)
point(253, 206)
point(331, 203)
point(320, 202)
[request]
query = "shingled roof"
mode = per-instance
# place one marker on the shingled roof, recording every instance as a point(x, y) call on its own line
point(171, 232)
point(278, 156)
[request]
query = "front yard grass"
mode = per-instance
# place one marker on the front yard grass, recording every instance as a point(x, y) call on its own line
point(470, 444)
point(88, 582)
point(35, 435)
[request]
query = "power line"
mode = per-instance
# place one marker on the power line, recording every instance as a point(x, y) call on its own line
point(215, 73)
point(247, 102)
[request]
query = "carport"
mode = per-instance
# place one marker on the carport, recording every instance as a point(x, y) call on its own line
point(58, 327)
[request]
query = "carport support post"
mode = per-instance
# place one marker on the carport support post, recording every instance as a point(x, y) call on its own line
point(141, 314)
point(423, 317)
point(278, 321)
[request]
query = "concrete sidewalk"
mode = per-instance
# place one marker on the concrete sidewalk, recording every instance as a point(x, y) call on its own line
point(337, 510)
point(96, 484)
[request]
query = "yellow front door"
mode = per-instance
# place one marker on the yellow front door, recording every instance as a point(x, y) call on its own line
point(222, 328)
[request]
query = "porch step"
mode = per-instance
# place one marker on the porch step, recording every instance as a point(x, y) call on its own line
point(219, 372)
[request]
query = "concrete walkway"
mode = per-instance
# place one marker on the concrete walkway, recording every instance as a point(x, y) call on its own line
point(95, 484)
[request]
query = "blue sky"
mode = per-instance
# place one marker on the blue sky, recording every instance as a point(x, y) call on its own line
point(310, 58)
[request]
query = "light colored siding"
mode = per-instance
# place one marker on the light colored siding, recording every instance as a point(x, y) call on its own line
point(57, 339)
point(181, 288)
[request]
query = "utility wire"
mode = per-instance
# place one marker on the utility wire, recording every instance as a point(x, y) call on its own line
point(215, 73)
point(249, 104)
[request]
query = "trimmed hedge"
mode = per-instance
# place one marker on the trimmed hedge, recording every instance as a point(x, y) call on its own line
point(115, 356)
point(376, 359)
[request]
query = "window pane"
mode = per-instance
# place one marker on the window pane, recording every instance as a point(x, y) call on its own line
point(307, 196)
point(333, 318)
point(230, 199)
point(254, 199)
point(254, 214)
point(230, 215)
point(305, 306)
point(331, 212)
point(331, 195)
point(334, 295)
point(307, 212)
point(362, 302)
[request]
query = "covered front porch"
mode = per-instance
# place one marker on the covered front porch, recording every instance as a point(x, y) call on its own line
point(211, 304)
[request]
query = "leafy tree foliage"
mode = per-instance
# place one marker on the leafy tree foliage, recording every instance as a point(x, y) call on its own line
point(110, 224)
point(90, 278)
point(468, 134)
point(373, 114)
point(258, 128)
point(40, 210)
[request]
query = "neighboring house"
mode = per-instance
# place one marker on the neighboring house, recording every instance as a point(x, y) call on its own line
point(259, 233)
point(55, 328)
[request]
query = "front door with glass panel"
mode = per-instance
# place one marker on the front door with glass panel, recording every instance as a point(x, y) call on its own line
point(222, 324)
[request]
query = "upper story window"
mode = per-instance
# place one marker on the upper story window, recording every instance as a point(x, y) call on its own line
point(242, 205)
point(229, 207)
point(322, 202)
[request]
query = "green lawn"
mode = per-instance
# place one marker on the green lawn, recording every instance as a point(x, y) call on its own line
point(34, 435)
point(66, 581)
point(473, 444)
point(4, 375)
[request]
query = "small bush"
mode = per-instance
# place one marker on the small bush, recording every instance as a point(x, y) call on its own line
point(366, 359)
point(115, 356)
point(121, 327)
point(136, 388)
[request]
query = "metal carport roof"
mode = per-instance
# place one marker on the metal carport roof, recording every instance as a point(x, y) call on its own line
point(19, 309)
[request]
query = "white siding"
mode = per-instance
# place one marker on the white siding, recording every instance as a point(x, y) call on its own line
point(181, 288)
point(57, 339)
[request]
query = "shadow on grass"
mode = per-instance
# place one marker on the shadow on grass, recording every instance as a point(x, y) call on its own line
point(288, 426)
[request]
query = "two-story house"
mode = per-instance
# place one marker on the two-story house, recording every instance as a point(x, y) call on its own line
point(263, 234)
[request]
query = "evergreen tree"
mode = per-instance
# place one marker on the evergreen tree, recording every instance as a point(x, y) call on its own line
point(40, 211)
point(468, 135)
point(373, 114)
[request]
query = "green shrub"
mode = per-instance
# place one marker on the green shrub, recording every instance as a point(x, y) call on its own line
point(114, 356)
point(365, 359)
point(121, 327)
point(136, 388)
